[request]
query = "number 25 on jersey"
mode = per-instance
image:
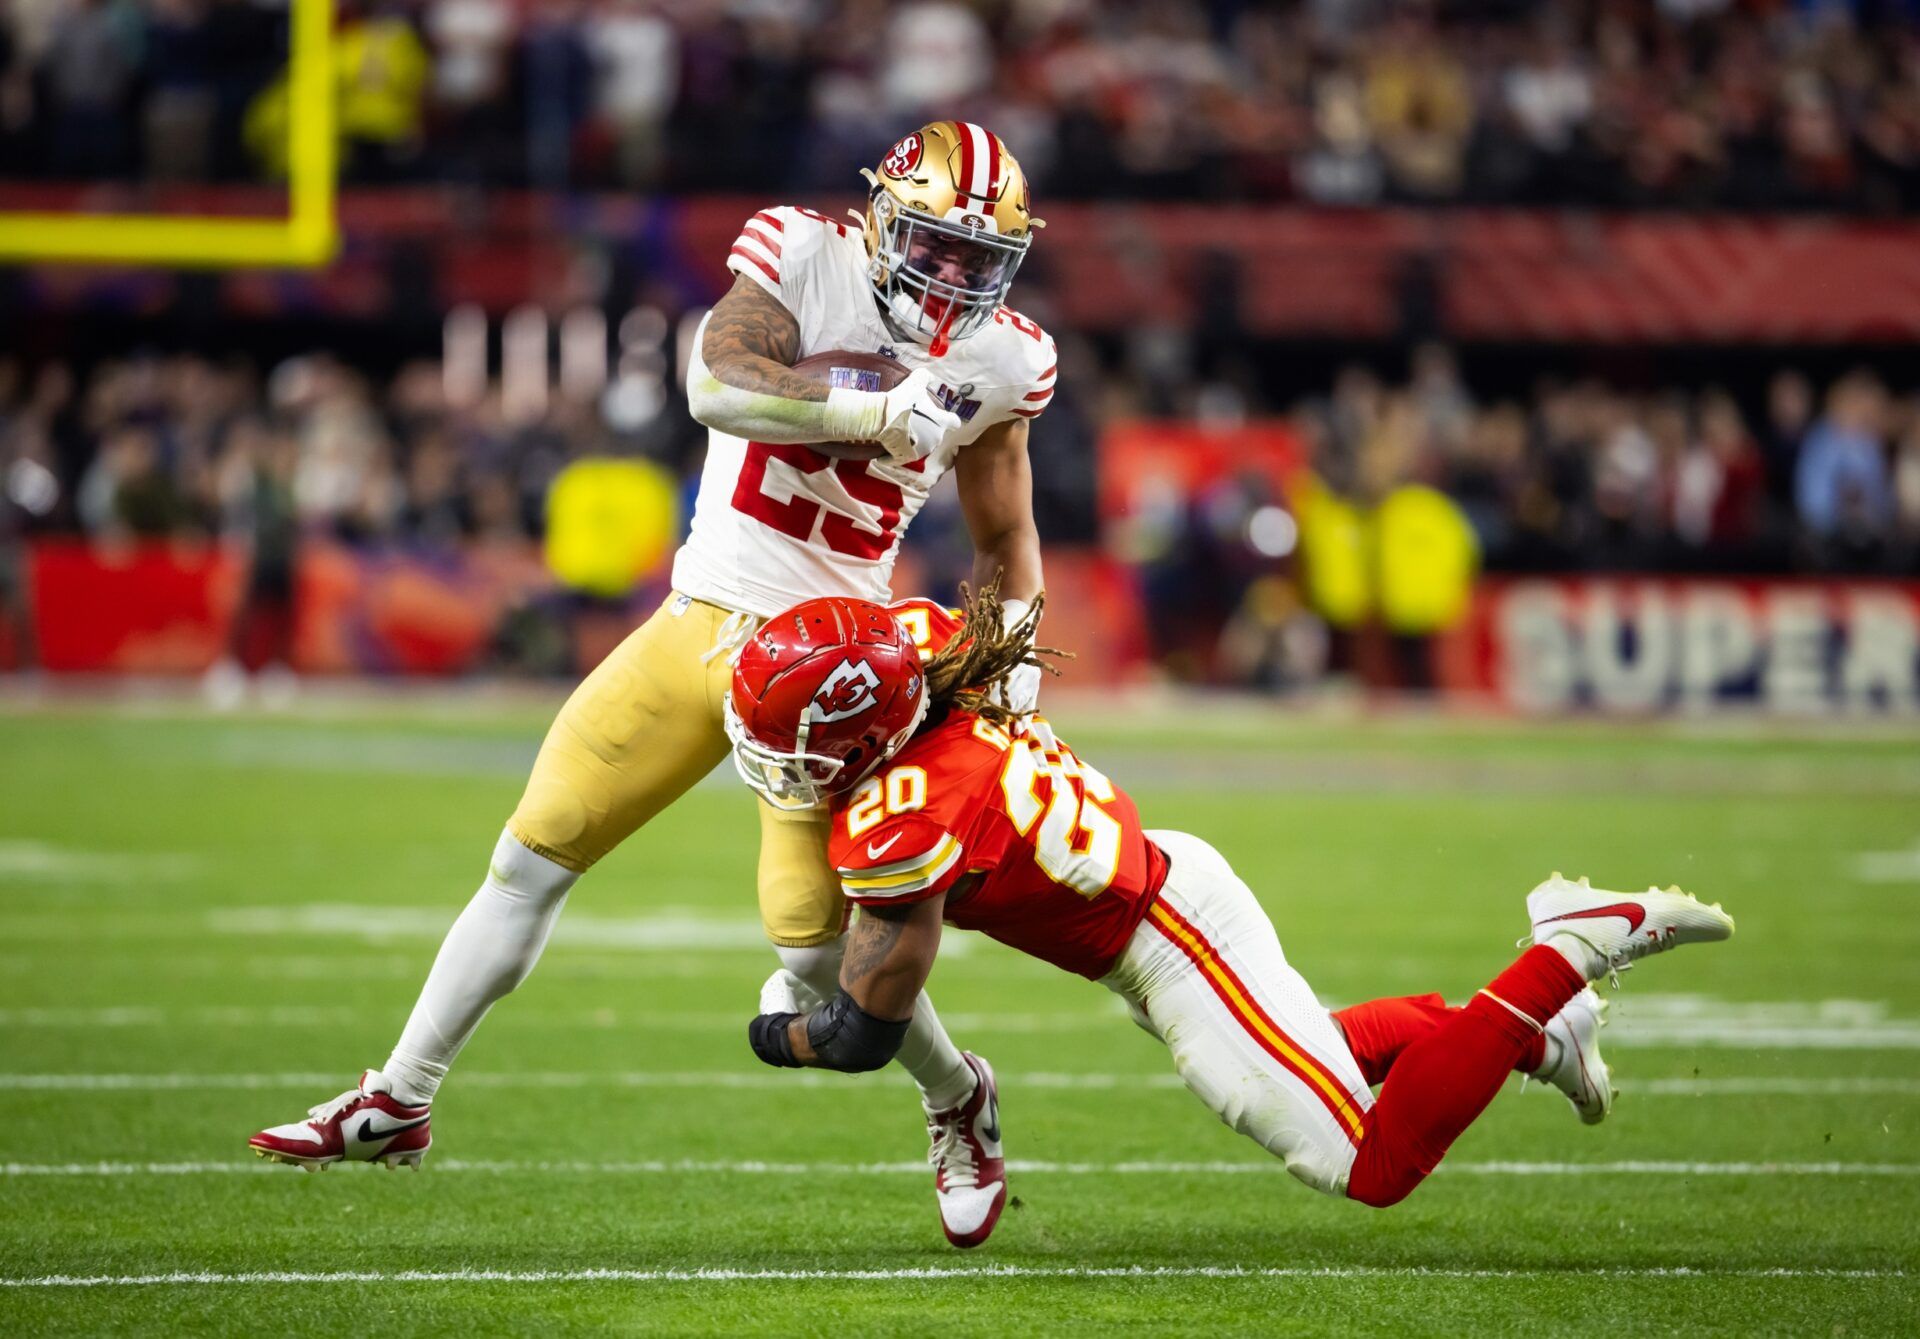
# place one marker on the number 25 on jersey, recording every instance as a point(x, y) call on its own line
point(797, 516)
point(1075, 841)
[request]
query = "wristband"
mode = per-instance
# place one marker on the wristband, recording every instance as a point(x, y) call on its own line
point(768, 1036)
point(855, 416)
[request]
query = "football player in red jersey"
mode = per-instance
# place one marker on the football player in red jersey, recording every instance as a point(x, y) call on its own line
point(948, 809)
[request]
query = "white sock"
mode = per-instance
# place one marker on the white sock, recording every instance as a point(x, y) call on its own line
point(490, 949)
point(927, 1052)
point(1549, 1053)
point(1585, 958)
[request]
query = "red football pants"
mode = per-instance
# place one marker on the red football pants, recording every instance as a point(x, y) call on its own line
point(1440, 1067)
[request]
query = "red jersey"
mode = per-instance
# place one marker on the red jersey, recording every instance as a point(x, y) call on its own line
point(1032, 847)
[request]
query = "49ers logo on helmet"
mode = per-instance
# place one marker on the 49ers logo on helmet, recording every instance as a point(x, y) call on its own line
point(904, 157)
point(848, 691)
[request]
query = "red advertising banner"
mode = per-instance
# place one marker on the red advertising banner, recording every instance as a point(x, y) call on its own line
point(167, 609)
point(150, 608)
point(403, 613)
point(160, 609)
point(1144, 460)
point(1652, 644)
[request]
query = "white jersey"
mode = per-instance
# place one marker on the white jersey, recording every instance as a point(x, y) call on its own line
point(775, 525)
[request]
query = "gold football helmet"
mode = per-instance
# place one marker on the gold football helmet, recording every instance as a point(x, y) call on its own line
point(948, 222)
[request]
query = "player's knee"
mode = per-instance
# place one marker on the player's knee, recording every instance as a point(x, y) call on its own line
point(526, 875)
point(1381, 1182)
point(1380, 1194)
point(800, 908)
point(816, 964)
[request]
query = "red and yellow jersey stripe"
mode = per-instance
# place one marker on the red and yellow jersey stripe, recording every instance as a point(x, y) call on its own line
point(1255, 1020)
point(915, 874)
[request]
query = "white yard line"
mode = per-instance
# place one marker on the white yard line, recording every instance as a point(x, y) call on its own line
point(331, 1016)
point(1888, 866)
point(669, 930)
point(240, 1016)
point(28, 862)
point(927, 1273)
point(240, 1166)
point(1771, 1086)
point(1676, 1021)
point(1734, 1086)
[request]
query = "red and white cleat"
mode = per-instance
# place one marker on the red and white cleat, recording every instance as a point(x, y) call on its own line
point(1619, 928)
point(363, 1124)
point(970, 1174)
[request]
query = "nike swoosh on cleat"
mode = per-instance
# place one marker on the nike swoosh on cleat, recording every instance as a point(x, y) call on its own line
point(366, 1134)
point(992, 1132)
point(1631, 912)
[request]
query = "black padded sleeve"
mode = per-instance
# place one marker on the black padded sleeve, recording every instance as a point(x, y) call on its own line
point(767, 1034)
point(848, 1038)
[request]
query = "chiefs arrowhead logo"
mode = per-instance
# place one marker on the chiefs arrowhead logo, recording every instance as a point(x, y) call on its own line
point(848, 691)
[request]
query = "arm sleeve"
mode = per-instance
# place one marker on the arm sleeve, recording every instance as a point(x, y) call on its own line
point(905, 859)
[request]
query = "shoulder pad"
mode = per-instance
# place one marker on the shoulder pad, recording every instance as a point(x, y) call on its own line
point(775, 241)
point(931, 624)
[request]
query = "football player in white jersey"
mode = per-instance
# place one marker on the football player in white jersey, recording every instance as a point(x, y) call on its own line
point(786, 511)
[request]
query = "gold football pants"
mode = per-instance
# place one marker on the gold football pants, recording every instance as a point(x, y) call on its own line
point(636, 733)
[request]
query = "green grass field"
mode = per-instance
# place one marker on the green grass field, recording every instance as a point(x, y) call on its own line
point(207, 925)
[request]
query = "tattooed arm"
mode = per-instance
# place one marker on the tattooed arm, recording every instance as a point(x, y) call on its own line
point(740, 381)
point(889, 957)
point(751, 341)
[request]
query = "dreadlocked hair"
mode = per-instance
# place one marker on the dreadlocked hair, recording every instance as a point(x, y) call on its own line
point(968, 672)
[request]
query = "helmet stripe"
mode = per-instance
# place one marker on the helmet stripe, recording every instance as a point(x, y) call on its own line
point(973, 160)
point(993, 164)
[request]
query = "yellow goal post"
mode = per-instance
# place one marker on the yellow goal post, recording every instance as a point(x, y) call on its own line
point(307, 235)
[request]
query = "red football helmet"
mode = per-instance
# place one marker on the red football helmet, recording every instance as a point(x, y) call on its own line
point(822, 694)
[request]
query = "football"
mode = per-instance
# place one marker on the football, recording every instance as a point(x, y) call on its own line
point(851, 370)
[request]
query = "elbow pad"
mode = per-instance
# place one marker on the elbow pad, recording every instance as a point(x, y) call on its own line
point(848, 1038)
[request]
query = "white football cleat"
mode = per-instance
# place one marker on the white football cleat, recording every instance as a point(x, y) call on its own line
point(363, 1124)
point(1577, 1069)
point(969, 1171)
point(1620, 928)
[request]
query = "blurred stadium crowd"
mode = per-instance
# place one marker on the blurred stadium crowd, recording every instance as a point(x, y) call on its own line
point(1751, 104)
point(1582, 476)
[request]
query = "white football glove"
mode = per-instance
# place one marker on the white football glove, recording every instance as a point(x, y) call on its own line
point(1021, 691)
point(785, 993)
point(914, 424)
